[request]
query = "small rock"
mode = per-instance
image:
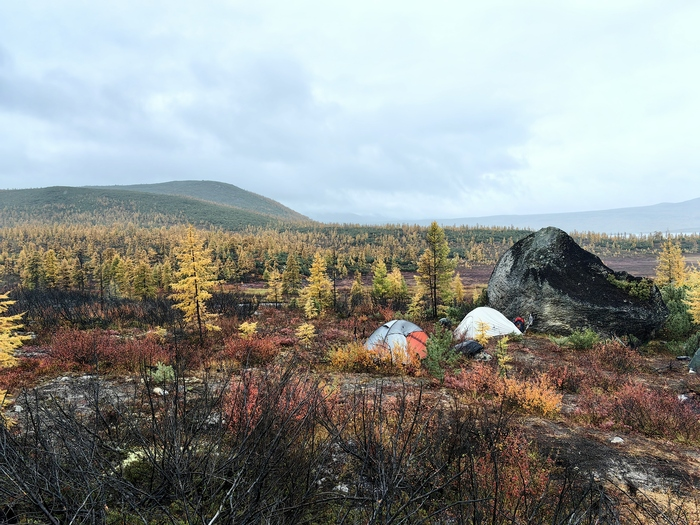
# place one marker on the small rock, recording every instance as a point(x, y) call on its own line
point(160, 392)
point(617, 440)
point(18, 409)
point(342, 488)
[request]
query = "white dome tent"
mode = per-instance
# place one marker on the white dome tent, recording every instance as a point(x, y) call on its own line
point(495, 324)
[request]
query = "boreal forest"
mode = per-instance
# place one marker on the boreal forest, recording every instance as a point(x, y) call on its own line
point(199, 362)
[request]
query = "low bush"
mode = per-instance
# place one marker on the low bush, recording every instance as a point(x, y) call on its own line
point(353, 357)
point(567, 378)
point(479, 379)
point(635, 407)
point(534, 395)
point(251, 351)
point(537, 395)
point(616, 357)
point(582, 339)
point(640, 289)
point(72, 349)
point(27, 372)
point(441, 354)
point(692, 344)
point(577, 340)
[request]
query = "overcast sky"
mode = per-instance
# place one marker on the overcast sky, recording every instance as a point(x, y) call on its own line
point(408, 110)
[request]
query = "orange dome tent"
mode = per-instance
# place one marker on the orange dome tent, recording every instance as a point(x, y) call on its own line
point(400, 339)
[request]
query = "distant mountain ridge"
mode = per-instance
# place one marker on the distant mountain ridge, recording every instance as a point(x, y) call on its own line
point(218, 204)
point(682, 217)
point(107, 205)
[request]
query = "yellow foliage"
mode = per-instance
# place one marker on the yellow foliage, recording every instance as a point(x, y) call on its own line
point(248, 330)
point(535, 396)
point(9, 340)
point(317, 296)
point(671, 266)
point(353, 357)
point(458, 293)
point(192, 289)
point(502, 356)
point(4, 401)
point(306, 333)
point(481, 336)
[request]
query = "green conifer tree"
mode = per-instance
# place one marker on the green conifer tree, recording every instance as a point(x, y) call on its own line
point(435, 269)
point(380, 281)
point(291, 277)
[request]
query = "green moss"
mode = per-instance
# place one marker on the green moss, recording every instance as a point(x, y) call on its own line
point(639, 289)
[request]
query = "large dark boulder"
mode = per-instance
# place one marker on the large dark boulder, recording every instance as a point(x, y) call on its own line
point(566, 288)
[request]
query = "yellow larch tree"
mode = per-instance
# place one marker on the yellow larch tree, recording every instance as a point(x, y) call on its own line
point(195, 281)
point(671, 265)
point(274, 285)
point(457, 288)
point(318, 293)
point(9, 340)
point(398, 289)
point(357, 291)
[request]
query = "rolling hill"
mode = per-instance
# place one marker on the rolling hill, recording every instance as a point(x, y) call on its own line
point(107, 205)
point(218, 193)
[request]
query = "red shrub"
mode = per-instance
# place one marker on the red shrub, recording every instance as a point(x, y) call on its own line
point(27, 373)
point(254, 350)
point(276, 397)
point(652, 412)
point(331, 336)
point(567, 378)
point(132, 353)
point(386, 313)
point(481, 378)
point(616, 357)
point(76, 349)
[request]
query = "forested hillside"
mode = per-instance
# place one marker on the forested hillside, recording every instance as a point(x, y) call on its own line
point(106, 206)
point(220, 193)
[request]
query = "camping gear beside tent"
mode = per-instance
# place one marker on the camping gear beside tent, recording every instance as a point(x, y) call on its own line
point(469, 348)
point(401, 339)
point(494, 322)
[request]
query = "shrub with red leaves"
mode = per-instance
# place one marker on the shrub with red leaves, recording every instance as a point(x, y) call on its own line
point(650, 411)
point(255, 350)
point(26, 373)
point(481, 378)
point(284, 397)
point(79, 349)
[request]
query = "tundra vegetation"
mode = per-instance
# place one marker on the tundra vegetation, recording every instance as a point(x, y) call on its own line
point(125, 406)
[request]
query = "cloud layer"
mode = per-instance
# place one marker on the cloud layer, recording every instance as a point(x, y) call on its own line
point(409, 112)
